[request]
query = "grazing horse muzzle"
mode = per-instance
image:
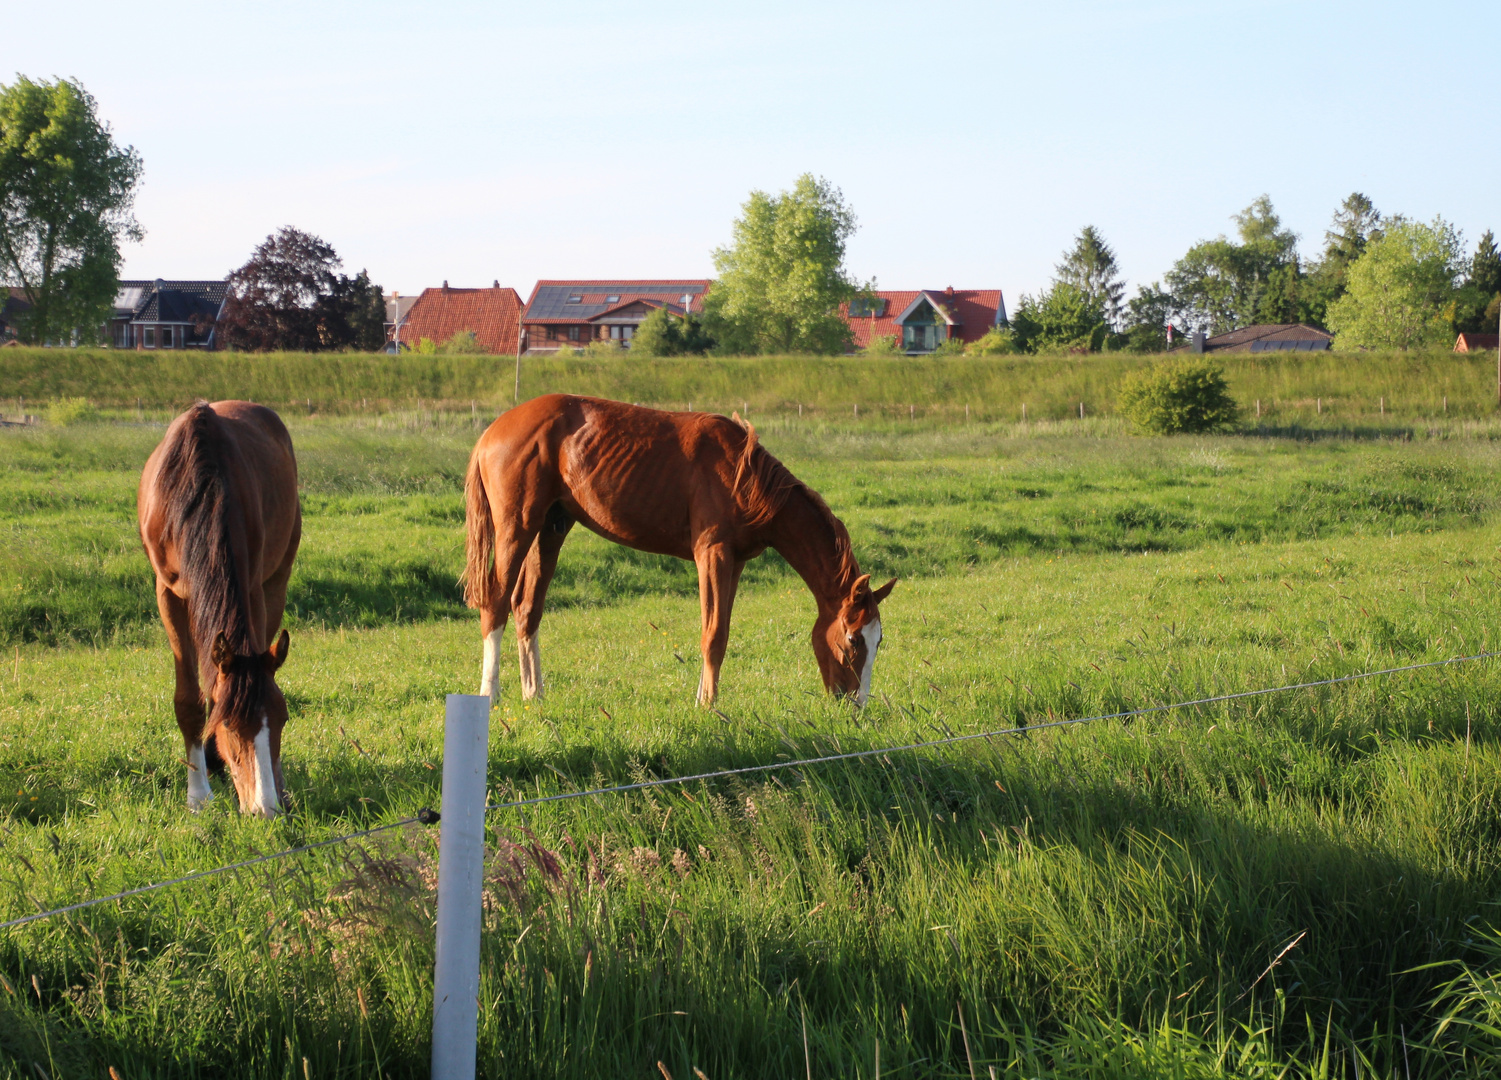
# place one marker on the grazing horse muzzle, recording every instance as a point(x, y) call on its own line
point(846, 645)
point(249, 715)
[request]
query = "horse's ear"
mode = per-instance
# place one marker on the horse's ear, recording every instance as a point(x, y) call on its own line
point(885, 590)
point(277, 654)
point(861, 586)
point(222, 654)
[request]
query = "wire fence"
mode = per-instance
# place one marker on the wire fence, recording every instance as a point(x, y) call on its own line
point(426, 816)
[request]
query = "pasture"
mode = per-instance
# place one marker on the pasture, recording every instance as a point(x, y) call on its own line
point(1302, 884)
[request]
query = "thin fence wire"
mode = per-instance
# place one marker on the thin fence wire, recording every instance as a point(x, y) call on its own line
point(746, 770)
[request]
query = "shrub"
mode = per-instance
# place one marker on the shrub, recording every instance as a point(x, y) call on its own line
point(950, 347)
point(1178, 396)
point(71, 410)
point(602, 349)
point(883, 345)
point(463, 343)
point(998, 341)
point(426, 347)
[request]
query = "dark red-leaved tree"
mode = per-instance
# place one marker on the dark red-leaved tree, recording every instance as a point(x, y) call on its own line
point(290, 296)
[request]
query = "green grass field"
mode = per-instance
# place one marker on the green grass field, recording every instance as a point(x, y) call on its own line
point(1109, 900)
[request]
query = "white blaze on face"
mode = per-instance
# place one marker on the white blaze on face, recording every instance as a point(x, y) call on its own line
point(199, 792)
point(531, 667)
point(871, 632)
point(489, 680)
point(266, 803)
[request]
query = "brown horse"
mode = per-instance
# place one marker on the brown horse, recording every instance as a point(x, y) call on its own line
point(220, 523)
point(691, 485)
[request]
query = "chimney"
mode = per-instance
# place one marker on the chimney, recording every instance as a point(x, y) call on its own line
point(495, 284)
point(949, 292)
point(445, 284)
point(1198, 342)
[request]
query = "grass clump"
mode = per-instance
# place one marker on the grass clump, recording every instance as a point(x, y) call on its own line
point(1178, 397)
point(67, 411)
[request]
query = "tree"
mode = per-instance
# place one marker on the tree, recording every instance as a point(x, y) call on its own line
point(1480, 297)
point(66, 193)
point(1355, 224)
point(782, 279)
point(1063, 318)
point(1400, 293)
point(1148, 315)
point(1221, 284)
point(289, 296)
point(664, 334)
point(1091, 267)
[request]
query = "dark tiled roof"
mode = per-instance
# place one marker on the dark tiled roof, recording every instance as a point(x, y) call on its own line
point(1257, 338)
point(169, 301)
point(549, 300)
point(971, 313)
point(492, 315)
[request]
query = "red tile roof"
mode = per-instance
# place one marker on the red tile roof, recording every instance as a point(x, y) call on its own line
point(974, 309)
point(1477, 342)
point(493, 315)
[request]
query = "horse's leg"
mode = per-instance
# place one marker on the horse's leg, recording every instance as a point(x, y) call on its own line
point(718, 577)
point(513, 541)
point(187, 699)
point(531, 596)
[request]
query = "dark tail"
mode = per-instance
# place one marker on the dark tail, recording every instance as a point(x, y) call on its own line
point(479, 538)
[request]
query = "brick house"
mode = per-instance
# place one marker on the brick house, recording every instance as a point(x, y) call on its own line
point(492, 315)
point(574, 313)
point(166, 314)
point(923, 319)
point(1477, 342)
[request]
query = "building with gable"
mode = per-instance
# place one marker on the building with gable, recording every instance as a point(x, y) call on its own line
point(164, 314)
point(1263, 337)
point(923, 319)
point(492, 315)
point(574, 313)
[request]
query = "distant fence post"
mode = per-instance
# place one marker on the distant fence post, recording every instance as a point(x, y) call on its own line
point(461, 861)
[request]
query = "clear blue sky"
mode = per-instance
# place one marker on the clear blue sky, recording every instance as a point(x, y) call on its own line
point(473, 142)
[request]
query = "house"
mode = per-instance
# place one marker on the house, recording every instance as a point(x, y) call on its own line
point(12, 302)
point(492, 315)
point(922, 320)
point(398, 307)
point(166, 314)
point(574, 313)
point(1263, 337)
point(1477, 343)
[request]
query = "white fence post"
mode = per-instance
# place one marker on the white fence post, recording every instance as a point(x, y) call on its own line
point(461, 861)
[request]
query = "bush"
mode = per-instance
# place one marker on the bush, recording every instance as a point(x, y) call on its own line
point(883, 345)
point(603, 349)
point(1177, 397)
point(998, 341)
point(462, 343)
point(72, 410)
point(951, 346)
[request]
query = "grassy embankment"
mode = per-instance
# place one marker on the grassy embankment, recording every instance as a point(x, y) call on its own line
point(1326, 389)
point(1100, 901)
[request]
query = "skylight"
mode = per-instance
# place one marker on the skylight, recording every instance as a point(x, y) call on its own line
point(613, 298)
point(574, 299)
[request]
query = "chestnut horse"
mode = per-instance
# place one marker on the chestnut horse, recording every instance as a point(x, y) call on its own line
point(692, 485)
point(220, 523)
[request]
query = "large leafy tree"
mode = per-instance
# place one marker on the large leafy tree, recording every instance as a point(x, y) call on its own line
point(1400, 293)
point(289, 295)
point(1356, 223)
point(1065, 317)
point(1090, 266)
point(782, 278)
point(1221, 284)
point(66, 194)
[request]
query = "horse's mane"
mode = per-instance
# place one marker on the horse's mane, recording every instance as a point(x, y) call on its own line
point(763, 485)
point(199, 509)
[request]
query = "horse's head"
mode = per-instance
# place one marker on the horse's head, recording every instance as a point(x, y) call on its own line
point(845, 641)
point(248, 714)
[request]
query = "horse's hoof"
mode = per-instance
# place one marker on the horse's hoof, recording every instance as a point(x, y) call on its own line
point(198, 802)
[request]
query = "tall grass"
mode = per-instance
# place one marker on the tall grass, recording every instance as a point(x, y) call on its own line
point(1323, 388)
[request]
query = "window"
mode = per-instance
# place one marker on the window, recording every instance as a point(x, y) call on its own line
point(150, 333)
point(574, 299)
point(861, 308)
point(552, 333)
point(166, 337)
point(613, 298)
point(573, 333)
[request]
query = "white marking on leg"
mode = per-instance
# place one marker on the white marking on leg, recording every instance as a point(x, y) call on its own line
point(871, 632)
point(199, 793)
point(706, 687)
point(266, 803)
point(531, 666)
point(489, 680)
